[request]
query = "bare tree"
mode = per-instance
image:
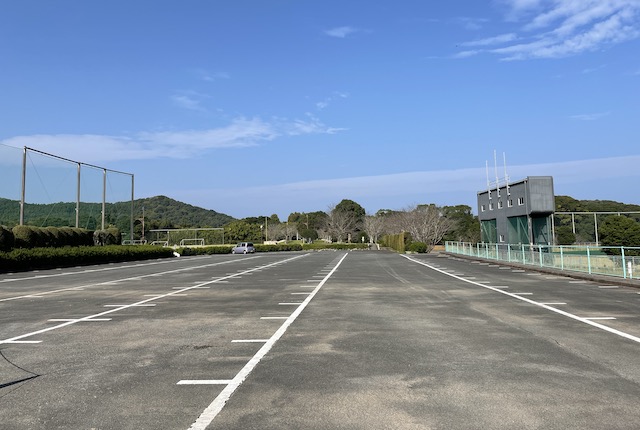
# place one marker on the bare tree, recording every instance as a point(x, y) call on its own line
point(289, 229)
point(425, 223)
point(373, 226)
point(339, 224)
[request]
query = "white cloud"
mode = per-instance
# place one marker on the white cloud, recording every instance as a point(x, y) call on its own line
point(590, 116)
point(562, 28)
point(340, 32)
point(327, 101)
point(472, 24)
point(186, 102)
point(241, 132)
point(495, 40)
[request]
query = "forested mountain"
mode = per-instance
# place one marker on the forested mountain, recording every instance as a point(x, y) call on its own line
point(569, 204)
point(159, 212)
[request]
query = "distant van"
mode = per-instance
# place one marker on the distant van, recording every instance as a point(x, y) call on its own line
point(243, 248)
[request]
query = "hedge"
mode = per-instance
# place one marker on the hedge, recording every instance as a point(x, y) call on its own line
point(339, 246)
point(20, 259)
point(28, 236)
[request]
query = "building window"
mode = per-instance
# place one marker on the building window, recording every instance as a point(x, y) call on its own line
point(510, 202)
point(500, 204)
point(490, 206)
point(483, 208)
point(502, 238)
point(520, 201)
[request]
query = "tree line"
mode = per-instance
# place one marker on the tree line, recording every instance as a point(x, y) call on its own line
point(347, 221)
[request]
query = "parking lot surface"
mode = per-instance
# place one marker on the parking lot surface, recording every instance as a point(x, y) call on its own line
point(323, 340)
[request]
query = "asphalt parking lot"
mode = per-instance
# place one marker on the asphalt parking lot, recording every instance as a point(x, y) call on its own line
point(324, 340)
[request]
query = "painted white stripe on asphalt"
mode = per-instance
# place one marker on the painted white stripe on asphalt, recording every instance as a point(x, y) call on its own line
point(608, 286)
point(205, 382)
point(600, 318)
point(310, 293)
point(274, 318)
point(22, 341)
point(290, 304)
point(553, 303)
point(547, 307)
point(523, 294)
point(250, 341)
point(216, 406)
point(78, 320)
point(134, 305)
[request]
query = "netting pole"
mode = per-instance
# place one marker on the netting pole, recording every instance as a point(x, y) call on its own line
point(78, 200)
point(104, 195)
point(131, 219)
point(24, 184)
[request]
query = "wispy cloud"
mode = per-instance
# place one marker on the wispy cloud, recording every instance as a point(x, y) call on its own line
point(562, 28)
point(240, 133)
point(211, 77)
point(472, 24)
point(590, 116)
point(491, 41)
point(327, 101)
point(341, 32)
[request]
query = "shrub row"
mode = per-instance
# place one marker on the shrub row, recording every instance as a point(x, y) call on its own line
point(394, 241)
point(205, 250)
point(20, 259)
point(278, 247)
point(27, 236)
point(339, 246)
point(110, 236)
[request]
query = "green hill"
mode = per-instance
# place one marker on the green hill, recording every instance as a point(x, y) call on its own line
point(159, 212)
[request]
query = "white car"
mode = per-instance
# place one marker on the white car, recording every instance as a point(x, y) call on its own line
point(243, 248)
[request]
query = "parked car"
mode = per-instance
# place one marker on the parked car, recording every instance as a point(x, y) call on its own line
point(243, 248)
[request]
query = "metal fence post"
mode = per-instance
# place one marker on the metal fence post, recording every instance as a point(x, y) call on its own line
point(540, 254)
point(589, 259)
point(624, 266)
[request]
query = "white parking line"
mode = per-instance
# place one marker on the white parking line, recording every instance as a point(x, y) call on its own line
point(218, 403)
point(524, 299)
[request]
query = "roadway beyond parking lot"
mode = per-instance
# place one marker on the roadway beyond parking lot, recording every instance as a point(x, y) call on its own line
point(324, 340)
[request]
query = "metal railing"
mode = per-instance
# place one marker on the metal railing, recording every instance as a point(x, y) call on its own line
point(618, 261)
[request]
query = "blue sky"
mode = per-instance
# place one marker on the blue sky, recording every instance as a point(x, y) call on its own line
point(260, 107)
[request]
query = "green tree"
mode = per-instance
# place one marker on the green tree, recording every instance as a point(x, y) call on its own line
point(466, 227)
point(352, 208)
point(619, 231)
point(565, 235)
point(238, 231)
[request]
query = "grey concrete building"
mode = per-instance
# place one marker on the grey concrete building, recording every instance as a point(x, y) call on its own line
point(519, 212)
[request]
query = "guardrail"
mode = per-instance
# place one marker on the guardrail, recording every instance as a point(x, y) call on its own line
point(619, 261)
